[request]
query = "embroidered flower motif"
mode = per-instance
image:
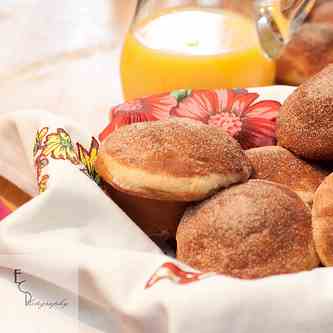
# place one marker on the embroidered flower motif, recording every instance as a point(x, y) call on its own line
point(40, 162)
point(253, 125)
point(88, 159)
point(175, 274)
point(40, 135)
point(142, 109)
point(42, 184)
point(59, 146)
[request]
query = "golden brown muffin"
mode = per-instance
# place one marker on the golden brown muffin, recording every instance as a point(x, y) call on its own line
point(158, 219)
point(156, 168)
point(279, 165)
point(308, 52)
point(305, 121)
point(251, 230)
point(322, 221)
point(176, 159)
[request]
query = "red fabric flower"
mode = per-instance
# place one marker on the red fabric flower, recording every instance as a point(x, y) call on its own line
point(142, 109)
point(253, 125)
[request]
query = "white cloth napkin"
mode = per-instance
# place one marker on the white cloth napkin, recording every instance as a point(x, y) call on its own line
point(72, 242)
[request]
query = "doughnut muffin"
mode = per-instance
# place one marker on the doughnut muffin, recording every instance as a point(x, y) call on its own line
point(279, 165)
point(176, 160)
point(309, 50)
point(305, 121)
point(251, 230)
point(322, 220)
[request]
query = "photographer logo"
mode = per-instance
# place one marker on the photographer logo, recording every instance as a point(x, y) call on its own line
point(31, 301)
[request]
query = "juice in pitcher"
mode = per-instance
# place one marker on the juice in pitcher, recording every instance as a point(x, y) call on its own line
point(194, 48)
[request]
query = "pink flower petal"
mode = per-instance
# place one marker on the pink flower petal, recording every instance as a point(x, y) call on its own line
point(259, 124)
point(267, 109)
point(161, 105)
point(242, 102)
point(198, 106)
point(139, 110)
point(226, 99)
point(257, 132)
point(120, 120)
point(251, 140)
point(135, 105)
point(155, 107)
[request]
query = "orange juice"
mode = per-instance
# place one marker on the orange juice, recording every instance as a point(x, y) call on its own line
point(196, 49)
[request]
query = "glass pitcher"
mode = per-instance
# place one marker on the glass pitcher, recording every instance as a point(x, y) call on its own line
point(206, 44)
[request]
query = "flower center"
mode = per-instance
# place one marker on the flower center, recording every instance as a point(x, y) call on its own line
point(230, 122)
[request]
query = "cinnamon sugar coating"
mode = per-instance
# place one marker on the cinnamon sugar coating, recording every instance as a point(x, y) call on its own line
point(250, 230)
point(279, 165)
point(305, 122)
point(178, 147)
point(179, 159)
point(322, 220)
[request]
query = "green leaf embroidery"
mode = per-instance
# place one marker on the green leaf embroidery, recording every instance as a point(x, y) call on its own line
point(181, 94)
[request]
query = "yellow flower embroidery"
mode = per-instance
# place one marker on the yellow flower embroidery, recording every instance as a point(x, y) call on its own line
point(40, 135)
point(43, 183)
point(59, 146)
point(88, 159)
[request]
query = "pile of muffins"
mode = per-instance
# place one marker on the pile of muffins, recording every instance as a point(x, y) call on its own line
point(246, 214)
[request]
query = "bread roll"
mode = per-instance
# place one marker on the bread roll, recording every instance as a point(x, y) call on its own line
point(279, 165)
point(251, 230)
point(156, 168)
point(322, 220)
point(158, 219)
point(176, 159)
point(308, 52)
point(305, 121)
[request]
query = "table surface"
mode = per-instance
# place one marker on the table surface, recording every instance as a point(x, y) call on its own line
point(61, 56)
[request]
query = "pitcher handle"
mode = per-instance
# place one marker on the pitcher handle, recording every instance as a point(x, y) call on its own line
point(277, 20)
